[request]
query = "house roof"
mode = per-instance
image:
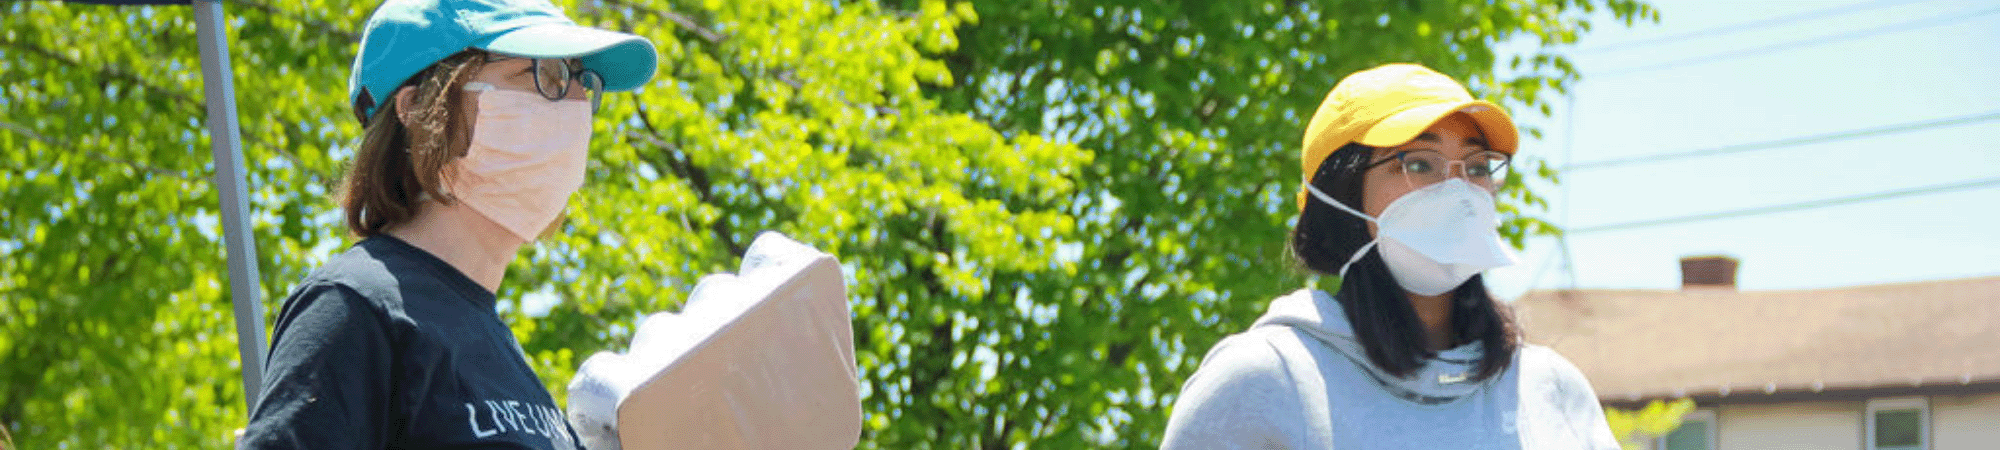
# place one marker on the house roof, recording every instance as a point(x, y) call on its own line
point(1715, 342)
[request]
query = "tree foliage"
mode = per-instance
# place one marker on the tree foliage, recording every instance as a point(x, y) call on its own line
point(1047, 210)
point(1634, 428)
point(116, 331)
point(1194, 111)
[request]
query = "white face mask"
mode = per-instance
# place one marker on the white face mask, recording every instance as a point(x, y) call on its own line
point(525, 158)
point(1434, 238)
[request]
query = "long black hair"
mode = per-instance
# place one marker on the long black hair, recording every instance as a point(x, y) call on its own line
point(1384, 321)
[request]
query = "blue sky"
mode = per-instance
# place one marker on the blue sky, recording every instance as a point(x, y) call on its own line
point(1702, 79)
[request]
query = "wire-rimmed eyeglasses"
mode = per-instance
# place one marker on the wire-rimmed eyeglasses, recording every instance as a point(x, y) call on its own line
point(1485, 168)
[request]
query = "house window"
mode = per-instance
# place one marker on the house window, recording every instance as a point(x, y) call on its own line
point(1899, 424)
point(1697, 432)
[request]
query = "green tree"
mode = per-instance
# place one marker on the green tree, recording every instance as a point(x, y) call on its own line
point(801, 117)
point(1194, 111)
point(115, 331)
point(1047, 210)
point(813, 119)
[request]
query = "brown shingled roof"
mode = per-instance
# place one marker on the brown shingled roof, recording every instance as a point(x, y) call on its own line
point(1715, 342)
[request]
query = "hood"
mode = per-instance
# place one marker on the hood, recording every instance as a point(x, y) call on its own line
point(1442, 379)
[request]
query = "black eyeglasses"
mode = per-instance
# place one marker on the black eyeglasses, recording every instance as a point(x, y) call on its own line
point(553, 77)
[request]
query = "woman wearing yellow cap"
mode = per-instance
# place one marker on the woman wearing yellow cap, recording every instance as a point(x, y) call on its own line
point(1411, 351)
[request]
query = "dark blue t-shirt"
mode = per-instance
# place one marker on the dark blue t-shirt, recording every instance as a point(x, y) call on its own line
point(387, 346)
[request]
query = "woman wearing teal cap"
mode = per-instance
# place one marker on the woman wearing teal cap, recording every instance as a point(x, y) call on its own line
point(477, 121)
point(1411, 351)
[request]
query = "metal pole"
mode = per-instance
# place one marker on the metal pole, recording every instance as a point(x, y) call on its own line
point(219, 83)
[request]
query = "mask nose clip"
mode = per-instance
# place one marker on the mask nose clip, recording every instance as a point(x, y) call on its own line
point(1461, 170)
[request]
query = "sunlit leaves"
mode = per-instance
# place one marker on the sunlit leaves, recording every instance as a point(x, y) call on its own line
point(1046, 210)
point(1634, 428)
point(813, 120)
point(1193, 112)
point(118, 331)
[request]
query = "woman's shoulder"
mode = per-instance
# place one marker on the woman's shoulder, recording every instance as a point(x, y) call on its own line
point(1243, 395)
point(1267, 351)
point(1252, 354)
point(363, 284)
point(1539, 358)
point(371, 269)
point(1259, 366)
point(366, 275)
point(353, 272)
point(1542, 368)
point(1558, 403)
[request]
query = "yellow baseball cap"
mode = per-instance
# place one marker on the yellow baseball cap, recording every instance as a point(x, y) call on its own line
point(1391, 104)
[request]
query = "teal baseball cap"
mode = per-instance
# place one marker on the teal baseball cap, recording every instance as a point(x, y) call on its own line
point(405, 36)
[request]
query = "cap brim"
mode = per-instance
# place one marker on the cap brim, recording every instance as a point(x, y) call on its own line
point(1401, 127)
point(625, 61)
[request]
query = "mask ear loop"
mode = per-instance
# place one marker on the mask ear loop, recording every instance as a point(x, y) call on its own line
point(1336, 204)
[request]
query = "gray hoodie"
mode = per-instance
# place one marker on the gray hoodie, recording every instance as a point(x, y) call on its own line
point(1298, 379)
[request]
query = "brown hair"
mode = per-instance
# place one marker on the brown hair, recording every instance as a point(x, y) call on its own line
point(397, 165)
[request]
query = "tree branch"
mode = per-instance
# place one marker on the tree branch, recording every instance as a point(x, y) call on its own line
point(712, 36)
point(93, 154)
point(696, 176)
point(319, 26)
point(106, 71)
point(179, 97)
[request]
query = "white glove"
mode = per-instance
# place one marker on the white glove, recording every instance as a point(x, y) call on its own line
point(593, 399)
point(607, 378)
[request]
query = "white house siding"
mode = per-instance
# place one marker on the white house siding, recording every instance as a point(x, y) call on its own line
point(1824, 425)
point(1965, 422)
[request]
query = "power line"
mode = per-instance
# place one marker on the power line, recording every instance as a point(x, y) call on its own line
point(1746, 26)
point(1809, 42)
point(1973, 184)
point(1569, 154)
point(1791, 142)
